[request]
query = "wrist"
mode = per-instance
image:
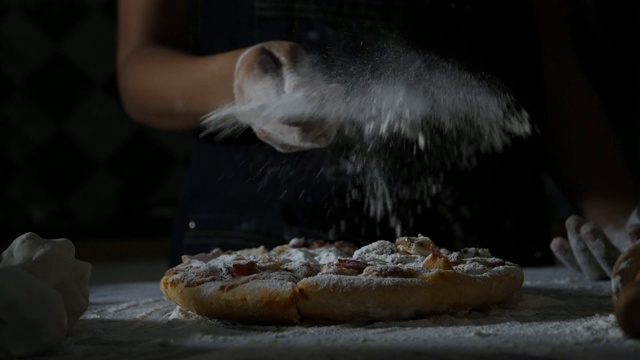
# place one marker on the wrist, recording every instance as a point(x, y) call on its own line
point(609, 212)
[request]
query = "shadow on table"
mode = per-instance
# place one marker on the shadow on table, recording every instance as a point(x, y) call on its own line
point(133, 339)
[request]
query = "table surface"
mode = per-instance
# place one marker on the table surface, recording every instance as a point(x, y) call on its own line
point(556, 315)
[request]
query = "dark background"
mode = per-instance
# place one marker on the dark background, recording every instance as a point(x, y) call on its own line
point(72, 164)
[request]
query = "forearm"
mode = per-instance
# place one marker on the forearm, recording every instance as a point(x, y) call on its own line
point(587, 158)
point(170, 89)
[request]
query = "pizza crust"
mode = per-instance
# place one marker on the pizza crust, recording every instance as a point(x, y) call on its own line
point(381, 281)
point(257, 298)
point(339, 297)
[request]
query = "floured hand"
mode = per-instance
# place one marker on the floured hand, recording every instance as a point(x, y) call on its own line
point(593, 250)
point(281, 71)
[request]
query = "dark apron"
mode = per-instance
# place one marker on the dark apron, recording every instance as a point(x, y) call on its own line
point(240, 192)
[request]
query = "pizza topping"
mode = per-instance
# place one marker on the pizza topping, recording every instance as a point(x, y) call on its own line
point(377, 249)
point(326, 256)
point(437, 261)
point(251, 253)
point(385, 252)
point(300, 270)
point(468, 253)
point(348, 267)
point(405, 258)
point(319, 244)
point(244, 269)
point(334, 269)
point(296, 242)
point(352, 264)
point(287, 254)
point(345, 246)
point(269, 262)
point(390, 271)
point(195, 276)
point(316, 257)
point(204, 257)
point(420, 245)
point(479, 265)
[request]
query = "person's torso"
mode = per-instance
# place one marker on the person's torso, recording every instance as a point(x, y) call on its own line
point(243, 185)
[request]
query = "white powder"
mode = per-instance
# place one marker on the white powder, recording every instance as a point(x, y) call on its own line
point(556, 316)
point(385, 252)
point(376, 249)
point(616, 284)
point(399, 103)
point(297, 260)
point(473, 261)
point(314, 257)
point(625, 264)
point(471, 268)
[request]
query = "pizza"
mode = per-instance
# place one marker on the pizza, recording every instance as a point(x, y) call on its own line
point(335, 281)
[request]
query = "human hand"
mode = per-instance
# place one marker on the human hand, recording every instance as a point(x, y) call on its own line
point(265, 74)
point(593, 250)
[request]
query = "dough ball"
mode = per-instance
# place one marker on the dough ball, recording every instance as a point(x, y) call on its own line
point(53, 262)
point(33, 319)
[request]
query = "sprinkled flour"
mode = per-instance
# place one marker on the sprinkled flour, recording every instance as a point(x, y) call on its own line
point(400, 102)
point(557, 315)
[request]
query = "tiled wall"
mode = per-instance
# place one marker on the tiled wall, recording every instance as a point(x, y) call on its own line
point(71, 162)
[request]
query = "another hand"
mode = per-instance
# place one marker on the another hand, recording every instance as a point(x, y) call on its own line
point(266, 73)
point(593, 250)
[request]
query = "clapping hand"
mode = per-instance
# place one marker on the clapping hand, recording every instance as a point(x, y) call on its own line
point(269, 72)
point(592, 249)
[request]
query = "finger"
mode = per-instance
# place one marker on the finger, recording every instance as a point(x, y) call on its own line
point(296, 66)
point(271, 140)
point(562, 251)
point(600, 246)
point(258, 75)
point(634, 232)
point(285, 143)
point(289, 54)
point(586, 261)
point(634, 218)
point(318, 132)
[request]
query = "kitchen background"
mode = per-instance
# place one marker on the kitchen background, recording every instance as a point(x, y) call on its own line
point(72, 164)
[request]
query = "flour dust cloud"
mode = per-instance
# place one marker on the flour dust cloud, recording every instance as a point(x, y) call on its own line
point(405, 118)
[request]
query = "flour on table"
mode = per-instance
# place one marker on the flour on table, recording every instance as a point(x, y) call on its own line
point(548, 319)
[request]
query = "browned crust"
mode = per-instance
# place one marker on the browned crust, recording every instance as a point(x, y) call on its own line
point(276, 298)
point(336, 297)
point(258, 298)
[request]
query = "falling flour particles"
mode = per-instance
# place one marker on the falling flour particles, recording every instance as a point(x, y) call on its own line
point(399, 102)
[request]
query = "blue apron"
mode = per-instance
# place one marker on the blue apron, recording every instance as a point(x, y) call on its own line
point(240, 192)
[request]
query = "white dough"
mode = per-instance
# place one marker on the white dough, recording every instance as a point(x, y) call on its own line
point(43, 292)
point(33, 319)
